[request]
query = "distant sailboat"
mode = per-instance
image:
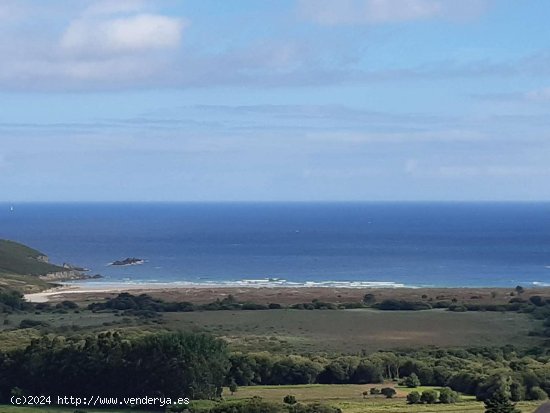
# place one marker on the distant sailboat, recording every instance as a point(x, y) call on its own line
point(11, 208)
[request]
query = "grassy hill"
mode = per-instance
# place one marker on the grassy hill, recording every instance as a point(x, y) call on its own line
point(18, 259)
point(20, 267)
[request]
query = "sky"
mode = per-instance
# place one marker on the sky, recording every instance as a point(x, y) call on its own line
point(287, 100)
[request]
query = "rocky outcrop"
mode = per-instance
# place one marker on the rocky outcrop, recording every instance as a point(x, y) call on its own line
point(69, 275)
point(129, 261)
point(63, 276)
point(42, 258)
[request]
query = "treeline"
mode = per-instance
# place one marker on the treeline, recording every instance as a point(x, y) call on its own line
point(478, 372)
point(197, 366)
point(143, 302)
point(163, 365)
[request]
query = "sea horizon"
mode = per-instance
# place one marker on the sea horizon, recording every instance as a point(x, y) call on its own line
point(333, 244)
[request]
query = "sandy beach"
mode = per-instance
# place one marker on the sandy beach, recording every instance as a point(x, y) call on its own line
point(201, 293)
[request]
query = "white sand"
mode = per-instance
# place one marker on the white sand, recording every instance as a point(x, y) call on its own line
point(45, 296)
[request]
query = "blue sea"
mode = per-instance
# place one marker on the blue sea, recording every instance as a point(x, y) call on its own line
point(331, 244)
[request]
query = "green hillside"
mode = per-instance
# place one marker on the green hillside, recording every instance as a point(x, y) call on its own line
point(18, 259)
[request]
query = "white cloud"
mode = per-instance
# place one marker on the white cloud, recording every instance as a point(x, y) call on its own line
point(331, 12)
point(95, 44)
point(136, 33)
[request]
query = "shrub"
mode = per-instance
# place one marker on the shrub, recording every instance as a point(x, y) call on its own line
point(254, 306)
point(289, 399)
point(396, 305)
point(27, 323)
point(314, 408)
point(413, 397)
point(429, 397)
point(389, 392)
point(447, 396)
point(369, 299)
point(411, 381)
point(536, 393)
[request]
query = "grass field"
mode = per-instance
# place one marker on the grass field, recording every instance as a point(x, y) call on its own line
point(349, 398)
point(302, 331)
point(65, 324)
point(355, 330)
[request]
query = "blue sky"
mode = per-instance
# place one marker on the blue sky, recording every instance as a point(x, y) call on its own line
point(289, 100)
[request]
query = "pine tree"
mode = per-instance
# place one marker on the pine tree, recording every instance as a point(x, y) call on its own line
point(500, 403)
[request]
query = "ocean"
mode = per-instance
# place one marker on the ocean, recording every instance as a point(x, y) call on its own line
point(327, 244)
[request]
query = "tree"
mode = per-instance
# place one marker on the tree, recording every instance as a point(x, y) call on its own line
point(289, 399)
point(500, 403)
point(369, 299)
point(519, 289)
point(429, 397)
point(389, 392)
point(517, 391)
point(536, 393)
point(233, 387)
point(537, 300)
point(447, 396)
point(413, 397)
point(412, 381)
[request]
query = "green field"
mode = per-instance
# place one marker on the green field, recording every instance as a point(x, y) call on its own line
point(352, 331)
point(349, 398)
point(302, 331)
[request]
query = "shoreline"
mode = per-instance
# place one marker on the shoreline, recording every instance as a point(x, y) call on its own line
point(261, 293)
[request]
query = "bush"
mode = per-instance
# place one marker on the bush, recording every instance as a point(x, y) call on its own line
point(254, 405)
point(537, 300)
point(314, 408)
point(254, 306)
point(411, 381)
point(447, 396)
point(27, 323)
point(389, 392)
point(413, 397)
point(536, 393)
point(233, 387)
point(374, 391)
point(429, 397)
point(369, 299)
point(68, 305)
point(396, 305)
point(289, 399)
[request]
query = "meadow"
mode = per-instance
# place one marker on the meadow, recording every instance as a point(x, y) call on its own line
point(352, 331)
point(349, 398)
point(298, 331)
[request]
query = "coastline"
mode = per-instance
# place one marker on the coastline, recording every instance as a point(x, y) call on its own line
point(284, 294)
